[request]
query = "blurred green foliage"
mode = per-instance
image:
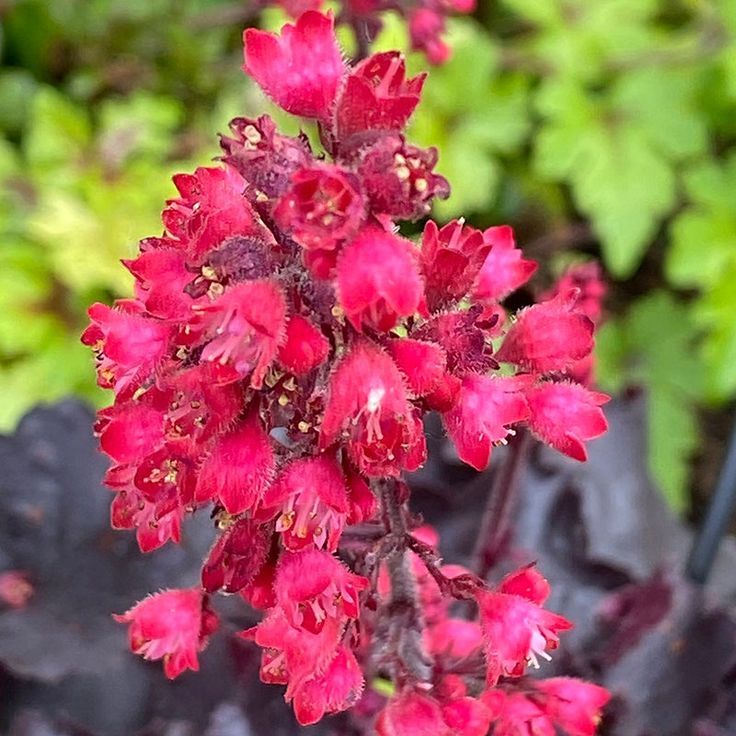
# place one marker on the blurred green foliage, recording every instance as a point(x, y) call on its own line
point(598, 128)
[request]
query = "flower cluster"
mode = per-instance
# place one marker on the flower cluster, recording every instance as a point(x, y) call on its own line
point(282, 347)
point(426, 19)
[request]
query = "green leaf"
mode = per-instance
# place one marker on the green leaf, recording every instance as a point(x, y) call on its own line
point(618, 176)
point(59, 131)
point(654, 346)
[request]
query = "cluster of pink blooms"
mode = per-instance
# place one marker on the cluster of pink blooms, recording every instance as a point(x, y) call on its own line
point(282, 347)
point(426, 19)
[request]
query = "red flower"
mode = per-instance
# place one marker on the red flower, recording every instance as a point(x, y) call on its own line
point(451, 258)
point(425, 28)
point(412, 714)
point(566, 415)
point(549, 336)
point(237, 557)
point(313, 586)
point(573, 704)
point(304, 348)
point(322, 207)
point(161, 278)
point(310, 503)
point(422, 363)
point(483, 414)
point(378, 280)
point(368, 408)
point(377, 96)
point(210, 209)
point(337, 689)
point(15, 589)
point(128, 345)
point(239, 467)
point(129, 432)
point(516, 629)
point(173, 625)
point(246, 325)
point(466, 716)
point(398, 178)
point(515, 714)
point(264, 157)
point(293, 656)
point(463, 335)
point(300, 70)
point(504, 270)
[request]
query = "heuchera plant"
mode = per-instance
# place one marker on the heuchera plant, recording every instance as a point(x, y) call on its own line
point(281, 350)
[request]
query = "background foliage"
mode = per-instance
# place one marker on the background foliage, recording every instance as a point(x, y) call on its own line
point(598, 128)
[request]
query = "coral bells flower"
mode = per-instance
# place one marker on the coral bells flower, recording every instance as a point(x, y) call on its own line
point(173, 625)
point(549, 336)
point(309, 500)
point(312, 586)
point(127, 345)
point(301, 69)
point(504, 269)
point(485, 410)
point(337, 689)
point(367, 406)
point(238, 469)
point(566, 415)
point(321, 209)
point(378, 280)
point(281, 351)
point(378, 96)
point(516, 630)
point(246, 325)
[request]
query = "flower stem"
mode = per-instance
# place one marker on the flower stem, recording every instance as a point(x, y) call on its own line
point(404, 649)
point(499, 505)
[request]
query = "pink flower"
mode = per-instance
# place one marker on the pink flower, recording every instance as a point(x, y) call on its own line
point(245, 326)
point(312, 586)
point(210, 209)
point(422, 363)
point(516, 630)
point(451, 258)
point(515, 714)
point(173, 625)
point(504, 269)
point(398, 179)
point(161, 279)
point(264, 157)
point(566, 415)
point(239, 467)
point(573, 704)
point(425, 29)
point(322, 207)
point(412, 714)
point(485, 410)
point(309, 501)
point(463, 335)
point(305, 347)
point(129, 432)
point(236, 557)
point(336, 690)
point(378, 280)
point(15, 589)
point(300, 70)
point(293, 656)
point(128, 346)
point(377, 96)
point(367, 407)
point(549, 336)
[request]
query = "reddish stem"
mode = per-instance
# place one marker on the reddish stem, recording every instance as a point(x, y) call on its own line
point(499, 505)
